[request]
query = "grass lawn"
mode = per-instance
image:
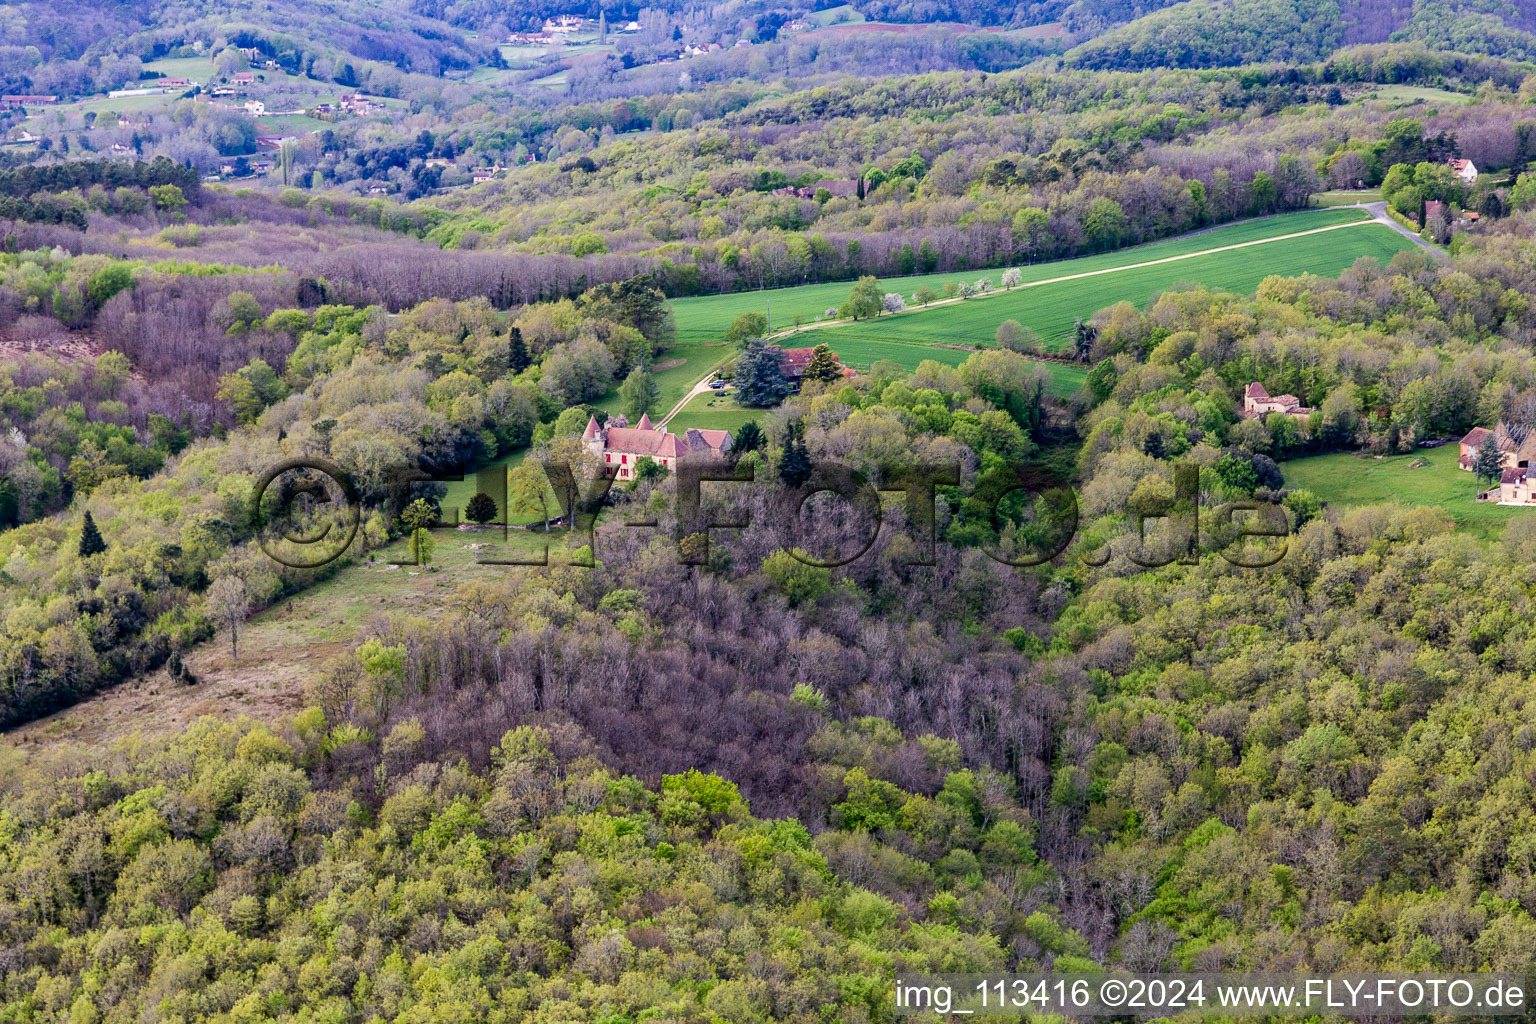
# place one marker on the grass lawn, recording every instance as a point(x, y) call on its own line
point(674, 379)
point(523, 53)
point(1344, 480)
point(715, 412)
point(1051, 310)
point(706, 318)
point(843, 15)
point(676, 371)
point(1066, 378)
point(196, 69)
point(489, 478)
point(290, 124)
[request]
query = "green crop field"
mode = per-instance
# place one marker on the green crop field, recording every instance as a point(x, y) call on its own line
point(706, 318)
point(1346, 197)
point(1346, 480)
point(1051, 309)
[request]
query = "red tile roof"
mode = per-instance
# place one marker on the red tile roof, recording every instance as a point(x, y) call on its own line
point(635, 441)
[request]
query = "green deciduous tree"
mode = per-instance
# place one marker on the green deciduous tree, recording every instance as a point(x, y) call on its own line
point(639, 393)
point(750, 324)
point(864, 301)
point(481, 508)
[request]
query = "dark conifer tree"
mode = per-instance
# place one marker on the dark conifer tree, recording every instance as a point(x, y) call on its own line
point(795, 466)
point(90, 538)
point(517, 352)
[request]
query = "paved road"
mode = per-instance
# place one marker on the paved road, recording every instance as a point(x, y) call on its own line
point(1379, 211)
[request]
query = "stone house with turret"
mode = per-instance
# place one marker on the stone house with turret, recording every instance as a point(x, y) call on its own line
point(621, 447)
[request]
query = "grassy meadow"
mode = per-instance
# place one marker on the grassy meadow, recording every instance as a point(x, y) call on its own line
point(1347, 480)
point(281, 646)
point(197, 69)
point(1052, 309)
point(1346, 197)
point(714, 411)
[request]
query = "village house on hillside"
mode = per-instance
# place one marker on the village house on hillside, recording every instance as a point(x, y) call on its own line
point(621, 446)
point(1258, 403)
point(1466, 170)
point(794, 360)
point(1517, 486)
point(1516, 445)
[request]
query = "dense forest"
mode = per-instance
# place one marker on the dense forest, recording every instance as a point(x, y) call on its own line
point(1019, 166)
point(695, 773)
point(1215, 33)
point(1056, 766)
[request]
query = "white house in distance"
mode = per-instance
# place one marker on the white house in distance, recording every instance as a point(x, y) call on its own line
point(1466, 170)
point(1257, 403)
point(621, 446)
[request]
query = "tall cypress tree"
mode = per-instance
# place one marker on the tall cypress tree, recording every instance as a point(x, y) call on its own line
point(795, 466)
point(90, 538)
point(517, 352)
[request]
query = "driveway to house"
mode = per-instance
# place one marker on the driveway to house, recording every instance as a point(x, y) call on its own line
point(698, 389)
point(1379, 211)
